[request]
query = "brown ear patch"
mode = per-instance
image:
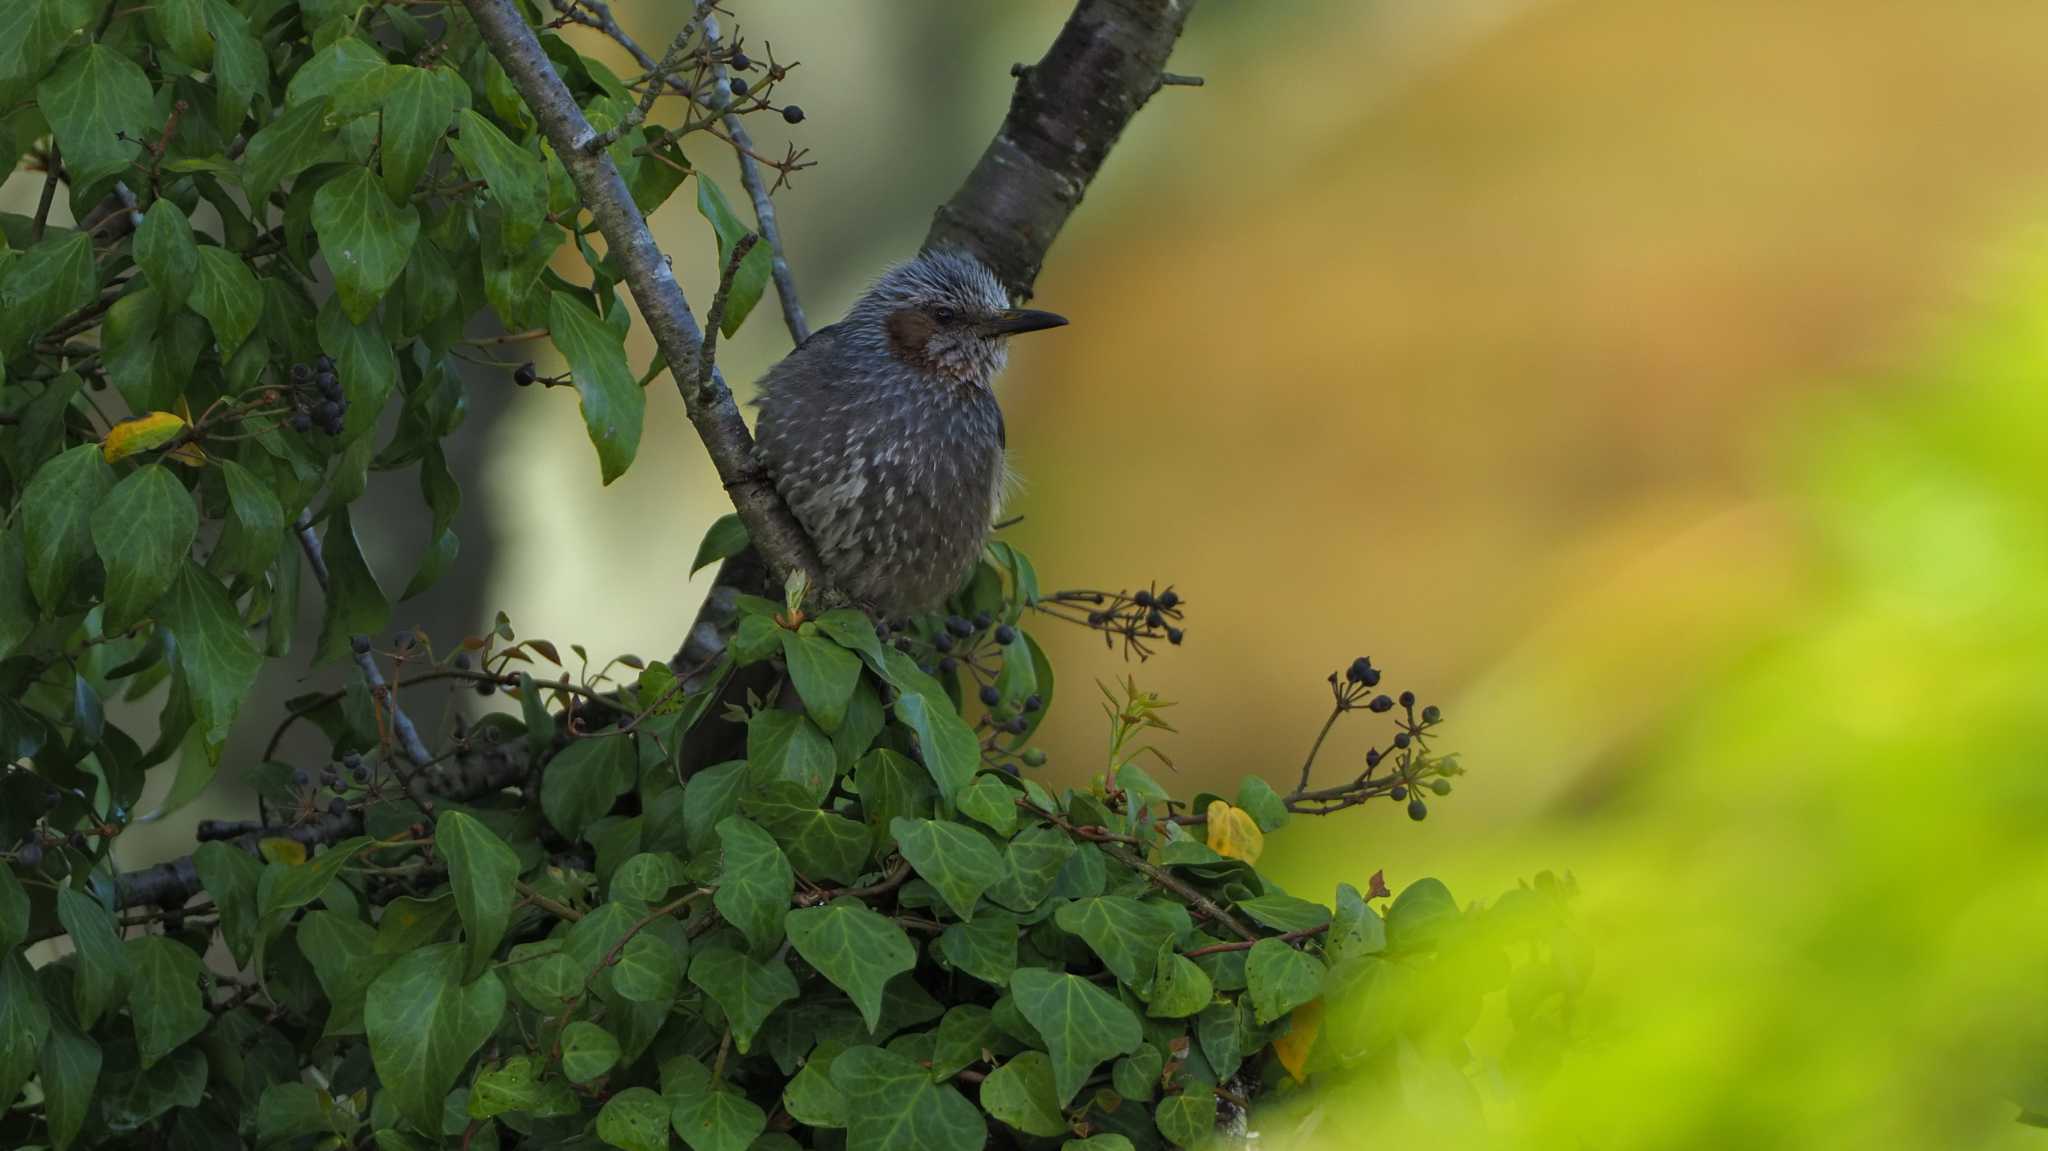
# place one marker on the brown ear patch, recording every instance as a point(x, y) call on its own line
point(910, 335)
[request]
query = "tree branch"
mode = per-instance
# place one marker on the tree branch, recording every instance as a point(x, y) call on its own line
point(764, 207)
point(770, 525)
point(1065, 115)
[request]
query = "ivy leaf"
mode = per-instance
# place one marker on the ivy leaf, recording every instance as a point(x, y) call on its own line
point(891, 785)
point(1286, 913)
point(855, 948)
point(824, 675)
point(717, 1120)
point(1082, 1024)
point(985, 949)
point(101, 982)
point(240, 69)
point(295, 141)
point(893, 1105)
point(180, 25)
point(635, 1119)
point(288, 1110)
point(24, 1022)
point(1280, 978)
point(481, 870)
point(365, 237)
point(166, 252)
point(14, 910)
point(1125, 933)
point(365, 362)
point(415, 115)
point(588, 1051)
point(748, 992)
point(951, 752)
point(782, 745)
point(708, 797)
point(958, 861)
point(142, 531)
point(256, 527)
point(647, 970)
point(810, 1098)
point(1419, 915)
point(1262, 803)
point(582, 781)
point(32, 36)
point(99, 104)
point(43, 285)
point(961, 1038)
point(287, 886)
point(1180, 987)
point(1021, 1094)
point(517, 178)
point(356, 605)
point(230, 876)
point(56, 516)
point(1233, 834)
point(214, 653)
point(345, 959)
point(614, 405)
point(1032, 863)
point(424, 1023)
point(751, 280)
point(1189, 1117)
point(70, 1071)
point(991, 803)
point(1103, 1142)
point(727, 538)
point(1136, 1076)
point(163, 997)
point(819, 844)
point(1355, 929)
point(755, 882)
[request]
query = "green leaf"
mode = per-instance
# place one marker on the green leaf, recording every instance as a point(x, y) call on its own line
point(635, 1119)
point(481, 871)
point(1286, 913)
point(365, 237)
point(648, 970)
point(958, 861)
point(256, 528)
point(142, 530)
point(99, 104)
point(286, 887)
point(819, 844)
point(43, 285)
point(424, 1023)
point(1021, 1094)
point(225, 291)
point(1220, 1029)
point(166, 252)
point(752, 278)
point(893, 1105)
point(782, 745)
point(614, 406)
point(1355, 930)
point(180, 25)
point(810, 1098)
point(1136, 1076)
point(163, 995)
point(356, 605)
point(588, 1051)
point(1189, 1117)
point(824, 675)
point(1180, 987)
point(131, 1097)
point(289, 1110)
point(584, 779)
point(1280, 978)
point(647, 877)
point(230, 876)
point(748, 992)
point(214, 653)
point(56, 516)
point(32, 35)
point(240, 69)
point(951, 752)
point(18, 610)
point(891, 785)
point(101, 982)
point(515, 1086)
point(1032, 863)
point(365, 362)
point(346, 960)
point(14, 910)
point(717, 1120)
point(858, 950)
point(1262, 803)
point(755, 882)
point(985, 949)
point(961, 1038)
point(1103, 1142)
point(1419, 915)
point(1125, 933)
point(991, 803)
point(517, 178)
point(70, 1071)
point(24, 1023)
point(708, 798)
point(293, 142)
point(727, 538)
point(1081, 1023)
point(416, 114)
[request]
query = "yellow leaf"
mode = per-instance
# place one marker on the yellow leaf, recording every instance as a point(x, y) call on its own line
point(191, 455)
point(1233, 834)
point(1292, 1048)
point(140, 435)
point(278, 849)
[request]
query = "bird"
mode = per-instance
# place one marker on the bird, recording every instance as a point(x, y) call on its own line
point(883, 435)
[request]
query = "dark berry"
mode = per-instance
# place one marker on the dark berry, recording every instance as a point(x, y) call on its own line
point(461, 661)
point(1010, 769)
point(302, 422)
point(328, 411)
point(1006, 635)
point(332, 389)
point(928, 669)
point(486, 687)
point(958, 626)
point(352, 760)
point(990, 696)
point(949, 665)
point(1155, 618)
point(301, 373)
point(301, 778)
point(1432, 714)
point(1418, 810)
point(982, 619)
point(325, 363)
point(739, 86)
point(1173, 636)
point(1440, 786)
point(174, 920)
point(1381, 703)
point(1033, 703)
point(741, 62)
point(793, 115)
point(331, 777)
point(361, 772)
point(31, 855)
point(524, 374)
point(1407, 699)
point(359, 644)
point(79, 842)
point(1169, 599)
point(1399, 792)
point(337, 806)
point(1142, 599)
point(1018, 726)
point(1360, 668)
point(1401, 739)
point(903, 643)
point(943, 641)
point(1097, 619)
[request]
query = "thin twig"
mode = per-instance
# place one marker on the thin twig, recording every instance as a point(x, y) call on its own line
point(53, 166)
point(707, 358)
point(764, 206)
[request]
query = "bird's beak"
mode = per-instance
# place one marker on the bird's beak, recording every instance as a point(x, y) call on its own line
point(1016, 320)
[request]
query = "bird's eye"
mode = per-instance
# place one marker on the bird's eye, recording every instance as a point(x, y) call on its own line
point(945, 315)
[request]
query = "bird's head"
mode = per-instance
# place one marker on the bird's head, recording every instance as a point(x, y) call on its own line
point(945, 316)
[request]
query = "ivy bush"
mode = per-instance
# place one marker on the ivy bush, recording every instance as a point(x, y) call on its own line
point(551, 927)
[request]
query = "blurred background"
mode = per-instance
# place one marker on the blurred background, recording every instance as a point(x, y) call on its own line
point(1660, 387)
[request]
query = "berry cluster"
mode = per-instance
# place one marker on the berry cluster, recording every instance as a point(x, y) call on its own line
point(1413, 767)
point(318, 400)
point(1148, 614)
point(976, 646)
point(739, 62)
